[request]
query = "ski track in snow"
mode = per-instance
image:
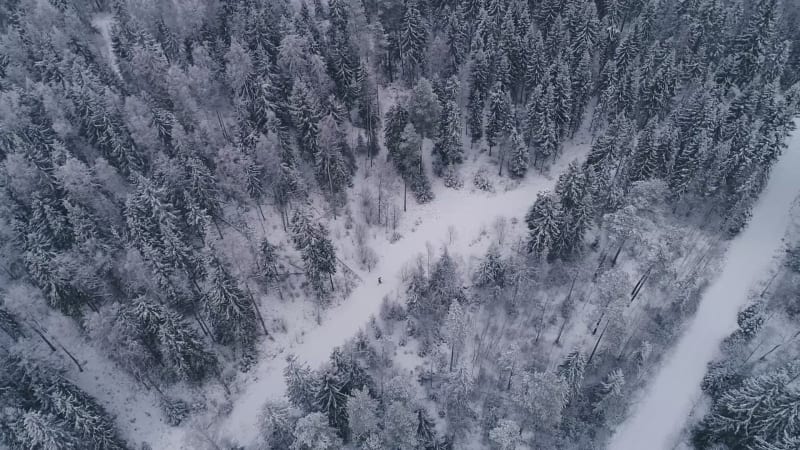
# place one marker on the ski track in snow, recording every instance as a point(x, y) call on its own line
point(657, 420)
point(468, 211)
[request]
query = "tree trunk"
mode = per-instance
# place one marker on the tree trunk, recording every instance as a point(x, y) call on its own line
point(80, 368)
point(216, 225)
point(597, 344)
point(560, 330)
point(405, 194)
point(452, 355)
point(330, 187)
point(46, 341)
point(619, 250)
point(502, 161)
point(203, 326)
point(258, 310)
point(380, 198)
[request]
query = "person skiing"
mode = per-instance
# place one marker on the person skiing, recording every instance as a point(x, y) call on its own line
point(379, 280)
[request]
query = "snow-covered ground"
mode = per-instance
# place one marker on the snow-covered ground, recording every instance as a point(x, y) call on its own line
point(659, 416)
point(471, 213)
point(468, 212)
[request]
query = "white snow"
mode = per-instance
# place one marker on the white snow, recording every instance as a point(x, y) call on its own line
point(658, 418)
point(469, 212)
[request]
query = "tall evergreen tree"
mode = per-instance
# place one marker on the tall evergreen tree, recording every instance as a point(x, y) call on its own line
point(448, 150)
point(230, 313)
point(314, 245)
point(499, 122)
point(544, 224)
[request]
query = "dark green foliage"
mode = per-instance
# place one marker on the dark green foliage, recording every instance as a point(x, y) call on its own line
point(301, 385)
point(230, 312)
point(764, 407)
point(50, 409)
point(319, 255)
point(544, 225)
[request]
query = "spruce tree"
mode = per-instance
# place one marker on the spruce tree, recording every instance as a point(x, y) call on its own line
point(413, 41)
point(499, 122)
point(520, 155)
point(544, 224)
point(423, 108)
point(306, 115)
point(316, 249)
point(448, 150)
point(229, 311)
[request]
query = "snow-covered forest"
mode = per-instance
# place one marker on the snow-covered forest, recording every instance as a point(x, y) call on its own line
point(399, 224)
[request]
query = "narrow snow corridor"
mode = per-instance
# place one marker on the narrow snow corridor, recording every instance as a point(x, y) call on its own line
point(469, 212)
point(658, 418)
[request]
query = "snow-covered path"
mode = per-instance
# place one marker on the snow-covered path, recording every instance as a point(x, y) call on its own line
point(469, 212)
point(659, 417)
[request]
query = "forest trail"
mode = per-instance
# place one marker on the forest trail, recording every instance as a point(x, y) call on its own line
point(469, 212)
point(659, 416)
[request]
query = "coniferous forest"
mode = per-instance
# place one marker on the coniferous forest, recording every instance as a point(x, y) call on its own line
point(397, 224)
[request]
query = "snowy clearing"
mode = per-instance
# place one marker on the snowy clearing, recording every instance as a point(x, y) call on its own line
point(658, 418)
point(340, 323)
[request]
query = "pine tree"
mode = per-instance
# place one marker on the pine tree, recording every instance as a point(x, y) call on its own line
point(572, 371)
point(475, 116)
point(334, 162)
point(455, 330)
point(764, 407)
point(301, 385)
point(541, 126)
point(562, 97)
point(686, 165)
point(183, 349)
point(574, 189)
point(331, 400)
point(543, 395)
point(413, 41)
point(410, 165)
point(153, 227)
point(312, 432)
point(752, 46)
point(313, 243)
point(491, 271)
point(448, 150)
point(457, 38)
point(229, 312)
point(499, 122)
point(56, 409)
point(36, 430)
point(397, 117)
point(306, 115)
point(544, 224)
point(520, 155)
point(581, 90)
point(277, 424)
point(611, 397)
point(423, 108)
point(400, 424)
point(648, 159)
point(535, 65)
point(10, 325)
point(362, 414)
